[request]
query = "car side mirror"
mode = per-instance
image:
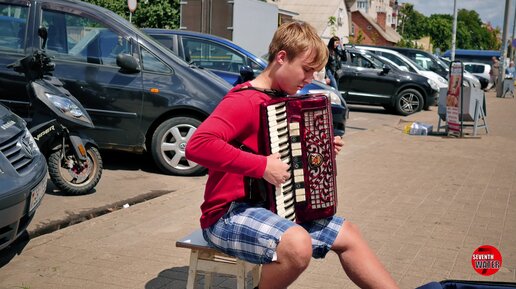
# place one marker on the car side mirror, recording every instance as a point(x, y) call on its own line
point(246, 73)
point(385, 69)
point(127, 63)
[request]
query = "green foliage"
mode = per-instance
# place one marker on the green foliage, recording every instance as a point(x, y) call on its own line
point(151, 13)
point(357, 39)
point(413, 23)
point(332, 22)
point(471, 33)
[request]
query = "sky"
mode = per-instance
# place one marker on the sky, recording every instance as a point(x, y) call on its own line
point(489, 10)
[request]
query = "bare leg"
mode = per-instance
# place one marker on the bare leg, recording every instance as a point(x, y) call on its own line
point(358, 260)
point(294, 252)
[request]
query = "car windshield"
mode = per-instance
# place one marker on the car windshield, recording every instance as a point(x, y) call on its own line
point(389, 62)
point(444, 62)
point(419, 67)
point(365, 59)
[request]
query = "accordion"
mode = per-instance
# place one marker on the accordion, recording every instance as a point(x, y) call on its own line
point(300, 129)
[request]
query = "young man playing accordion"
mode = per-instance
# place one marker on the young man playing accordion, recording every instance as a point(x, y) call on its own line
point(244, 229)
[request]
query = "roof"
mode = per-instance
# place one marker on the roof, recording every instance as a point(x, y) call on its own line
point(473, 52)
point(388, 34)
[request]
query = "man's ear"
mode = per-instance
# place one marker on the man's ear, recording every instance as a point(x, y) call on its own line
point(281, 56)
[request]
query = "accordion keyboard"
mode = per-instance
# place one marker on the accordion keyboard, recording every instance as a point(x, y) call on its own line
point(279, 143)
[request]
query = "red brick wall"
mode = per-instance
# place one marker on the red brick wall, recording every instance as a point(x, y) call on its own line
point(381, 19)
point(371, 37)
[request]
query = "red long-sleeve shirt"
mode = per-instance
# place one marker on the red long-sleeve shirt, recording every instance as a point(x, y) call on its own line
point(236, 120)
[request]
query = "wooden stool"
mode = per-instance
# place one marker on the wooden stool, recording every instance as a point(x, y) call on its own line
point(208, 260)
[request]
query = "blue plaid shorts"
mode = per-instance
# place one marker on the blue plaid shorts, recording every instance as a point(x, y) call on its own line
point(253, 233)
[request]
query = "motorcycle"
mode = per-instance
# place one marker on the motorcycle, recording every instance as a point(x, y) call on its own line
point(55, 117)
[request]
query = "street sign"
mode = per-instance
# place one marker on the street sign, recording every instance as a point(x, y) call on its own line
point(132, 5)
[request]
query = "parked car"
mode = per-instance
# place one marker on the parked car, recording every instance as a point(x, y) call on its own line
point(407, 64)
point(23, 177)
point(433, 63)
point(140, 96)
point(480, 70)
point(366, 79)
point(225, 59)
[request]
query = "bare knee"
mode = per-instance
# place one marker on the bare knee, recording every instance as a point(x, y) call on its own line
point(295, 248)
point(349, 236)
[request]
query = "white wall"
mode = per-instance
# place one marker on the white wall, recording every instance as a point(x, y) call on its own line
point(254, 24)
point(343, 29)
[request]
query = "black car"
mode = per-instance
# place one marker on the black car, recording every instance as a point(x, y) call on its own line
point(23, 177)
point(366, 79)
point(152, 105)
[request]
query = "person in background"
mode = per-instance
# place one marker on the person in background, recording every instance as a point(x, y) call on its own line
point(334, 60)
point(495, 71)
point(509, 71)
point(228, 143)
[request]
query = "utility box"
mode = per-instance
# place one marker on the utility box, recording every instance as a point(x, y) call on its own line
point(472, 96)
point(248, 23)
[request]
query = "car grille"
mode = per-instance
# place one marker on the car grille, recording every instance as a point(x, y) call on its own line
point(19, 153)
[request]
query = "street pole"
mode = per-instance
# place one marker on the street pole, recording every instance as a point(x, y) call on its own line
point(454, 31)
point(501, 73)
point(512, 38)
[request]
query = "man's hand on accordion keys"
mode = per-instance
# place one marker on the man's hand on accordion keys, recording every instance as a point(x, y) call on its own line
point(276, 171)
point(338, 144)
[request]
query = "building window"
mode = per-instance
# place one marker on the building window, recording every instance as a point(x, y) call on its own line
point(352, 28)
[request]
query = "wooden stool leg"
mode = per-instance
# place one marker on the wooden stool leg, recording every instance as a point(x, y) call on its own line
point(207, 280)
point(240, 274)
point(192, 269)
point(256, 275)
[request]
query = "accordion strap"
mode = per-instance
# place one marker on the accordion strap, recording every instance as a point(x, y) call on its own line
point(269, 92)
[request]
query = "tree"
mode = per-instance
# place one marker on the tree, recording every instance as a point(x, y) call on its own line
point(332, 23)
point(155, 13)
point(471, 32)
point(357, 39)
point(413, 23)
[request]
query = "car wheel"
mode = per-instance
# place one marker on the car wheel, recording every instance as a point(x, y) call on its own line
point(168, 146)
point(409, 101)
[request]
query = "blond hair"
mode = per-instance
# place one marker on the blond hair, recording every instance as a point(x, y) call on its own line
point(296, 38)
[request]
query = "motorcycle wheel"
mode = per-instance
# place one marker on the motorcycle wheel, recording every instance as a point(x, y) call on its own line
point(75, 181)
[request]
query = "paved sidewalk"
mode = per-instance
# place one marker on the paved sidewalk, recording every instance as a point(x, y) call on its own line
point(424, 203)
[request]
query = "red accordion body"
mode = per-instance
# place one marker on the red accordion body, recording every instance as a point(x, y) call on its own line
point(300, 129)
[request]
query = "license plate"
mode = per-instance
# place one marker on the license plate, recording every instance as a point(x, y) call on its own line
point(37, 194)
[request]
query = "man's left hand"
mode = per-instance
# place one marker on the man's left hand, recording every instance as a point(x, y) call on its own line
point(338, 144)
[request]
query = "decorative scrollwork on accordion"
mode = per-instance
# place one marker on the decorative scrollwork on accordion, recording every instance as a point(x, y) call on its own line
point(300, 129)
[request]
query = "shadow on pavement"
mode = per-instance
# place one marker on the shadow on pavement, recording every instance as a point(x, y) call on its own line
point(370, 109)
point(170, 278)
point(11, 251)
point(120, 160)
point(176, 278)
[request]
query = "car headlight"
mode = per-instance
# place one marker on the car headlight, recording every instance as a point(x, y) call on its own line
point(65, 105)
point(433, 84)
point(442, 80)
point(33, 146)
point(332, 95)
